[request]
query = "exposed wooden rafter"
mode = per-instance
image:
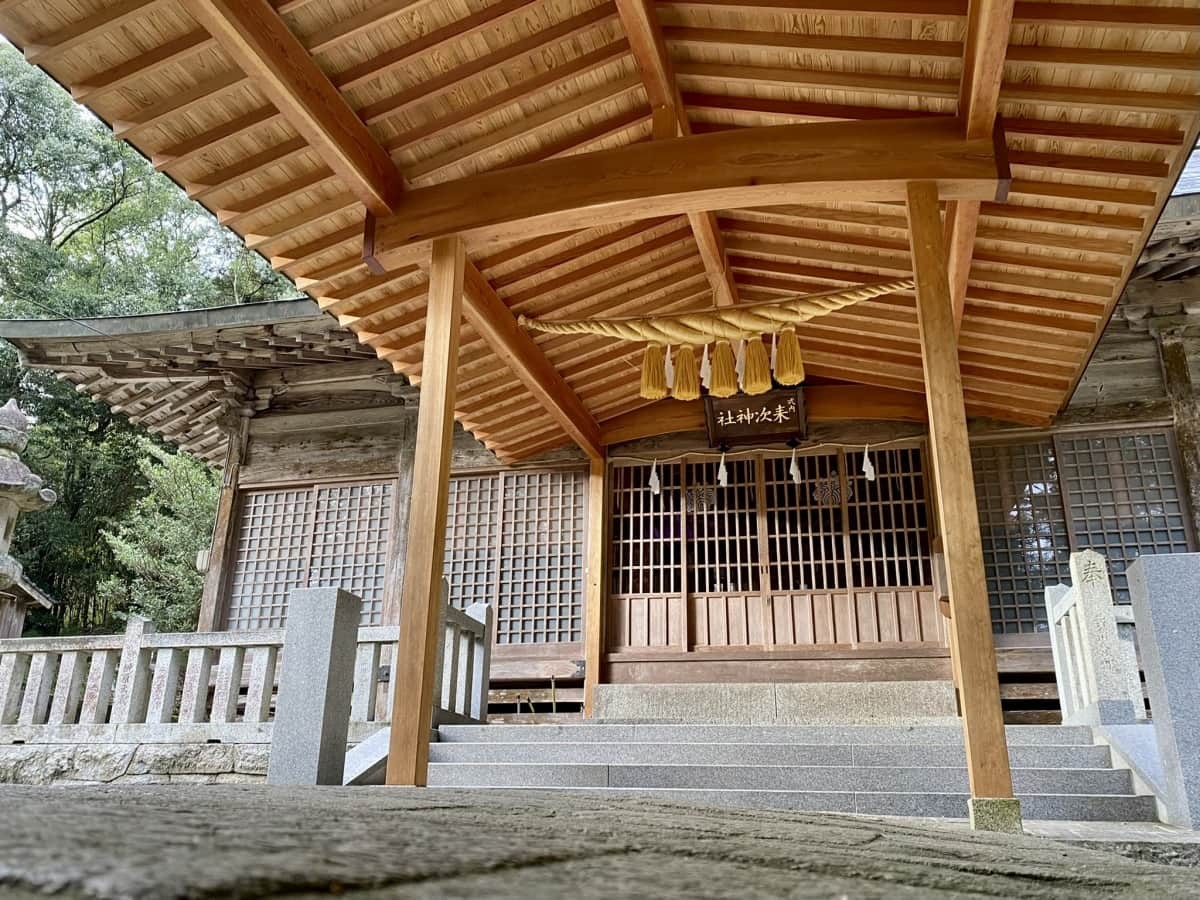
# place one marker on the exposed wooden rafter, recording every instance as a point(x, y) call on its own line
point(650, 50)
point(258, 41)
point(489, 316)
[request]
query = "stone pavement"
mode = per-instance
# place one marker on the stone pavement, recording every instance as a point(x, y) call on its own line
point(162, 841)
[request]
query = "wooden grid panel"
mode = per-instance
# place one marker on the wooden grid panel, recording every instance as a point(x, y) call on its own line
point(806, 550)
point(1123, 498)
point(887, 525)
point(646, 547)
point(541, 557)
point(350, 543)
point(722, 527)
point(273, 546)
point(1026, 544)
point(472, 529)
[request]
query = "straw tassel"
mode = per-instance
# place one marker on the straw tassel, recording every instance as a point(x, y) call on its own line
point(757, 379)
point(724, 374)
point(789, 366)
point(654, 373)
point(687, 378)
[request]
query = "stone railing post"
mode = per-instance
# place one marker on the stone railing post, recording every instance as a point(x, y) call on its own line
point(1060, 650)
point(132, 693)
point(1166, 594)
point(312, 711)
point(482, 663)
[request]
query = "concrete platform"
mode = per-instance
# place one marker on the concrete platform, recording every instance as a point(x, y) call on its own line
point(251, 841)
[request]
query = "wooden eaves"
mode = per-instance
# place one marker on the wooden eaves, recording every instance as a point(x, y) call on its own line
point(450, 92)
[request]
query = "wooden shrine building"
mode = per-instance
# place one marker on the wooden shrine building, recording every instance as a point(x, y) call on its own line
point(437, 173)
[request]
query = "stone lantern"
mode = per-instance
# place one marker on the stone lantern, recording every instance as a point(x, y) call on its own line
point(20, 490)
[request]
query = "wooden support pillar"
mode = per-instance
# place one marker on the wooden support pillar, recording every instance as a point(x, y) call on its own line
point(974, 655)
point(595, 594)
point(1177, 377)
point(225, 529)
point(413, 675)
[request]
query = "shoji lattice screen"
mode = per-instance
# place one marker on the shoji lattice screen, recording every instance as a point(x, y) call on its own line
point(1026, 545)
point(271, 558)
point(646, 530)
point(350, 538)
point(888, 522)
point(806, 546)
point(1123, 498)
point(472, 528)
point(541, 557)
point(309, 537)
point(722, 527)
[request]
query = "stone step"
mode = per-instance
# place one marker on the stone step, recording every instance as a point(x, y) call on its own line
point(1032, 756)
point(1034, 807)
point(918, 735)
point(767, 778)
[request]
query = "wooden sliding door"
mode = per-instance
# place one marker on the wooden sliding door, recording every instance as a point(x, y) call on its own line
point(766, 560)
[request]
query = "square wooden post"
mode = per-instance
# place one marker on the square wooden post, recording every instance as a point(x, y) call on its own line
point(992, 806)
point(594, 590)
point(413, 674)
point(213, 600)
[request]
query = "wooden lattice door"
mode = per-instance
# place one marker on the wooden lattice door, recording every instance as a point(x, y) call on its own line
point(810, 552)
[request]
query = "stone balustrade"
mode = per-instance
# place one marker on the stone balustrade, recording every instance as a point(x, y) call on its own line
point(1095, 660)
point(144, 687)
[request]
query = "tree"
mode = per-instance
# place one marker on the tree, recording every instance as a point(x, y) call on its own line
point(157, 541)
point(88, 228)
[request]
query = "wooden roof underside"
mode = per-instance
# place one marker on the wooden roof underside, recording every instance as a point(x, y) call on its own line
point(1100, 105)
point(188, 376)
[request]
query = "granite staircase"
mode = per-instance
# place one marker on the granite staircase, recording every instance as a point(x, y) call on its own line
point(1059, 772)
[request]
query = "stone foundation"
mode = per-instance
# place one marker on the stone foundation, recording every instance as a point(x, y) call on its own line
point(72, 764)
point(785, 703)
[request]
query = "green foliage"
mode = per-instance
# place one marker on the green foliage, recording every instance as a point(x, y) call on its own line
point(157, 540)
point(87, 228)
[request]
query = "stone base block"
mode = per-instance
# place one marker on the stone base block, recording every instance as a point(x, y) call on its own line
point(790, 703)
point(1001, 814)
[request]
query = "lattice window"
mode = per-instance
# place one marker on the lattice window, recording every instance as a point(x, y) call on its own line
point(350, 538)
point(831, 531)
point(1123, 498)
point(541, 558)
point(722, 527)
point(887, 520)
point(308, 537)
point(271, 557)
point(806, 547)
point(472, 526)
point(645, 557)
point(1026, 545)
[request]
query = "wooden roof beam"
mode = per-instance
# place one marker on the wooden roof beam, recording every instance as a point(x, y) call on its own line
point(488, 315)
point(985, 49)
point(649, 49)
point(258, 41)
point(698, 173)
